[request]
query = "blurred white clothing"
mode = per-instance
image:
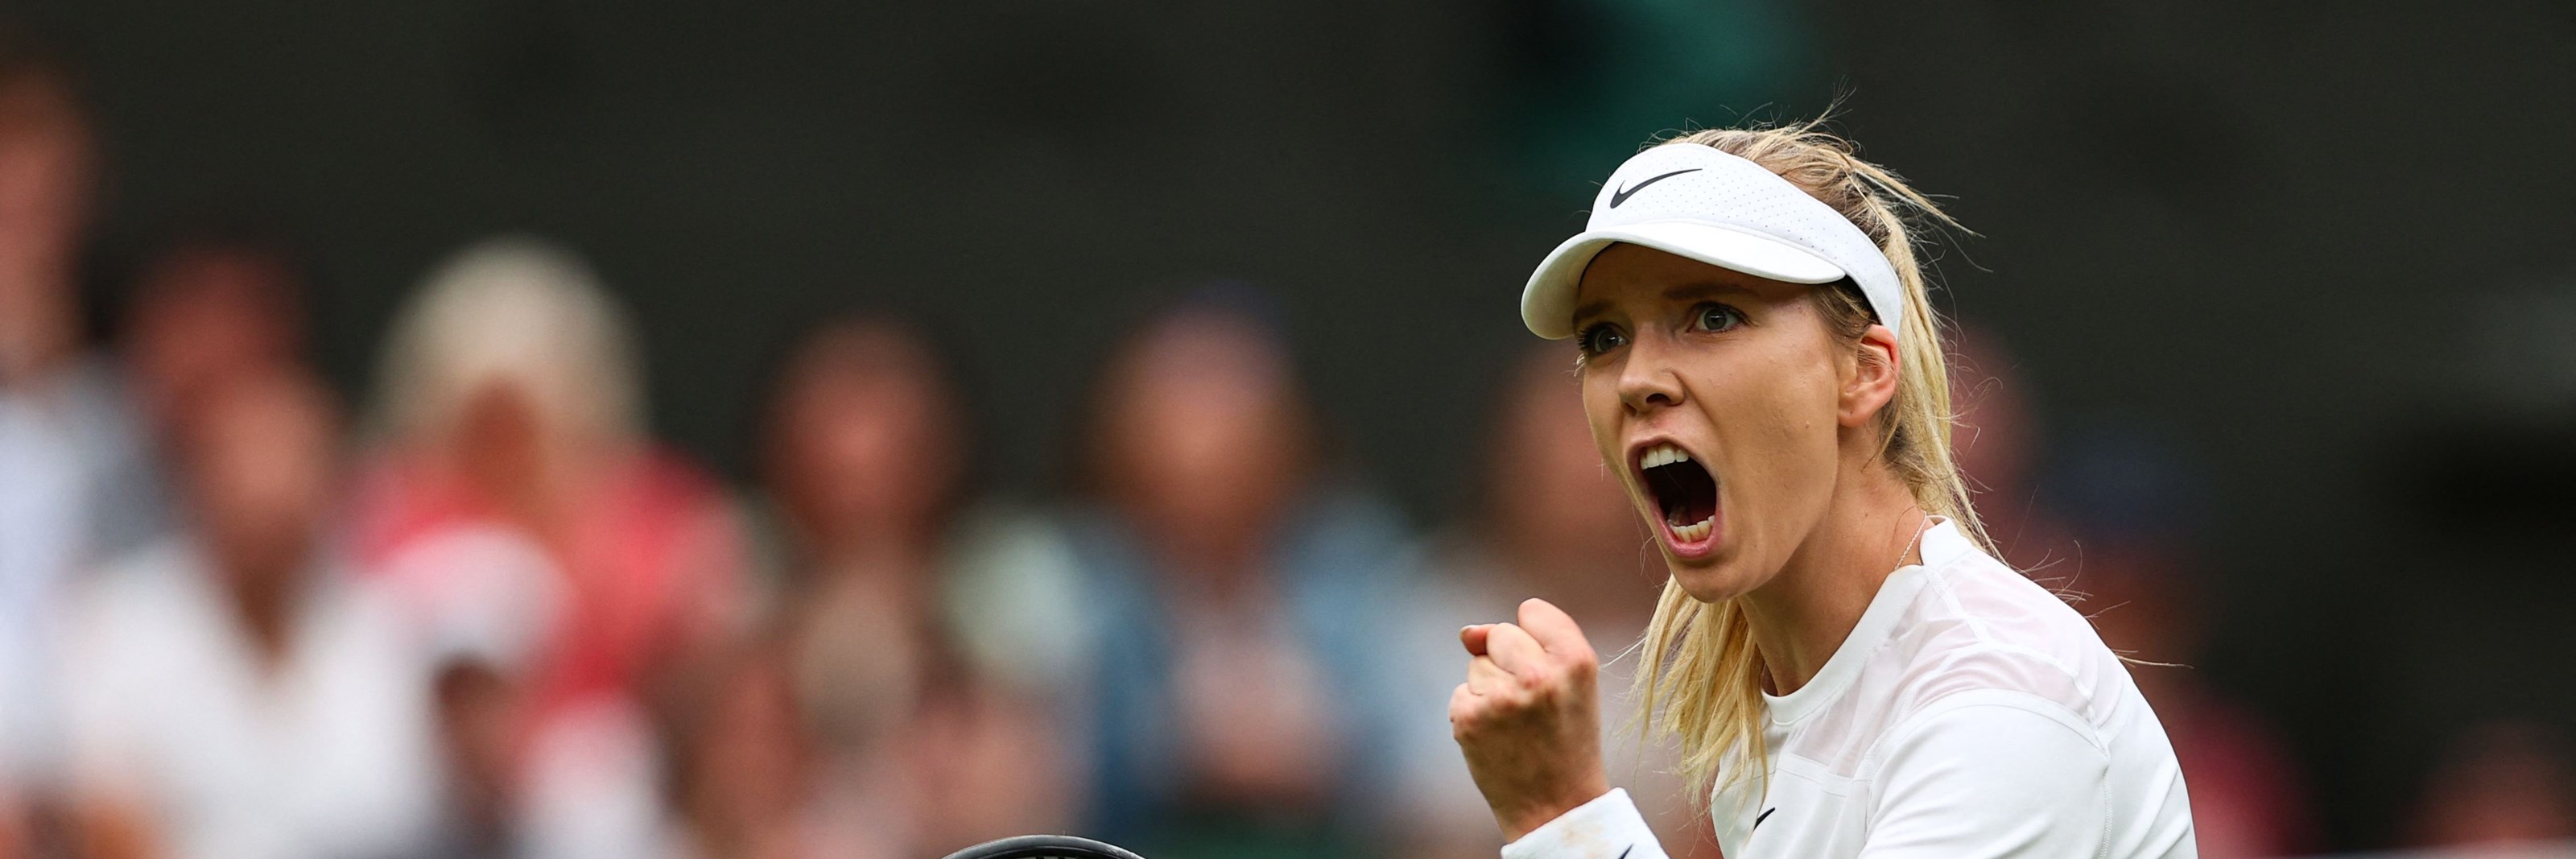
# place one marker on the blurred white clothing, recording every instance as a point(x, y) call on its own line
point(593, 786)
point(326, 752)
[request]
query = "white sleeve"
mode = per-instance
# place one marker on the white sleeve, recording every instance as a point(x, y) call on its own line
point(1991, 775)
point(1608, 827)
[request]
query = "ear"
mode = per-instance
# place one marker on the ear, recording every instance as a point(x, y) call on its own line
point(1871, 383)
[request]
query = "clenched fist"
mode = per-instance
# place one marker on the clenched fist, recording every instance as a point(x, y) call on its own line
point(1529, 717)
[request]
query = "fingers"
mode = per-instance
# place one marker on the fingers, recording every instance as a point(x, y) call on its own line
point(1486, 678)
point(1553, 629)
point(1514, 650)
point(1544, 634)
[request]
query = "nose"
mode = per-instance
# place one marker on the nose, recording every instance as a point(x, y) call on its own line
point(1646, 379)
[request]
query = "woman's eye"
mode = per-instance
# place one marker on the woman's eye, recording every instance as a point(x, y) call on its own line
point(1715, 317)
point(1601, 337)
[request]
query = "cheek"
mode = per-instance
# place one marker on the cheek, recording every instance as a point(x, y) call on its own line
point(1603, 411)
point(1777, 439)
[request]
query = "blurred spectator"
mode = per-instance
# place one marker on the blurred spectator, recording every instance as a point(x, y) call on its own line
point(47, 164)
point(75, 486)
point(862, 462)
point(209, 307)
point(911, 751)
point(744, 768)
point(240, 694)
point(509, 398)
point(1550, 521)
point(472, 704)
point(2132, 501)
point(482, 631)
point(864, 457)
point(1998, 444)
point(509, 410)
point(1242, 604)
point(2498, 785)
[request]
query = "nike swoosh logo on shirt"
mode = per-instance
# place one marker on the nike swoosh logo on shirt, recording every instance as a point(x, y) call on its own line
point(1623, 854)
point(1622, 195)
point(1765, 815)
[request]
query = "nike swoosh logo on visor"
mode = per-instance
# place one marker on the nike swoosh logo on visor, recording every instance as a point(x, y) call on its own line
point(1622, 195)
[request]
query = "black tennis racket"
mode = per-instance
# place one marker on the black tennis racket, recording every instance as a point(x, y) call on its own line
point(1044, 847)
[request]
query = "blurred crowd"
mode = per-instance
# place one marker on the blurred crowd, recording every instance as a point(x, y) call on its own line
point(486, 614)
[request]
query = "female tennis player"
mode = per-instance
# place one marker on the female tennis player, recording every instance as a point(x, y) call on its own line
point(1847, 669)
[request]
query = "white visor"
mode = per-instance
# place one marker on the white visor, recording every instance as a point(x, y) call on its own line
point(1697, 202)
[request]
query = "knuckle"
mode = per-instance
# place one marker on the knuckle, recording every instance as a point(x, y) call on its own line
point(1583, 666)
point(1563, 674)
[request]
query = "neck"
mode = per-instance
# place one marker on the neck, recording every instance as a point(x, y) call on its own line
point(264, 602)
point(1806, 611)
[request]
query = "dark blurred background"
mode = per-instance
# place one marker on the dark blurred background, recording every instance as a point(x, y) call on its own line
point(2307, 268)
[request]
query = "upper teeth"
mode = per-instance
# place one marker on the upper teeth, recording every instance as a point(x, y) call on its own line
point(1664, 454)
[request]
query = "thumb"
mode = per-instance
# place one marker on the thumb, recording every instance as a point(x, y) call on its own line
point(1475, 638)
point(1555, 630)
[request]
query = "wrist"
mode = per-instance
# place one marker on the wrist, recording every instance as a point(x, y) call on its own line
point(1522, 820)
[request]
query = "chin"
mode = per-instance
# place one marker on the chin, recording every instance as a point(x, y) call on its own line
point(1721, 577)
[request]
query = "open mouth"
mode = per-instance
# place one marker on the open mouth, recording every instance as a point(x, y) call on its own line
point(1683, 490)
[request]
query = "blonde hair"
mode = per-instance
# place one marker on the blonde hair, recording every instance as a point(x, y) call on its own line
point(516, 309)
point(1698, 661)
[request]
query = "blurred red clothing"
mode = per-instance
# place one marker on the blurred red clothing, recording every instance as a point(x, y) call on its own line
point(651, 556)
point(2245, 797)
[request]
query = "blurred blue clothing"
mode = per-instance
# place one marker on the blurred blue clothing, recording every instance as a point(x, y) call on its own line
point(1339, 566)
point(77, 487)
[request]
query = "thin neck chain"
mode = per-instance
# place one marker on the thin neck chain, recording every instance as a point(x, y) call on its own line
point(1909, 544)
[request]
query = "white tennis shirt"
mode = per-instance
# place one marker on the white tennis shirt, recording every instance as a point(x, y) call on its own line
point(1970, 714)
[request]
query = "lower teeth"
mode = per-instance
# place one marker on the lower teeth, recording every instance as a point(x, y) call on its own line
point(1695, 531)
